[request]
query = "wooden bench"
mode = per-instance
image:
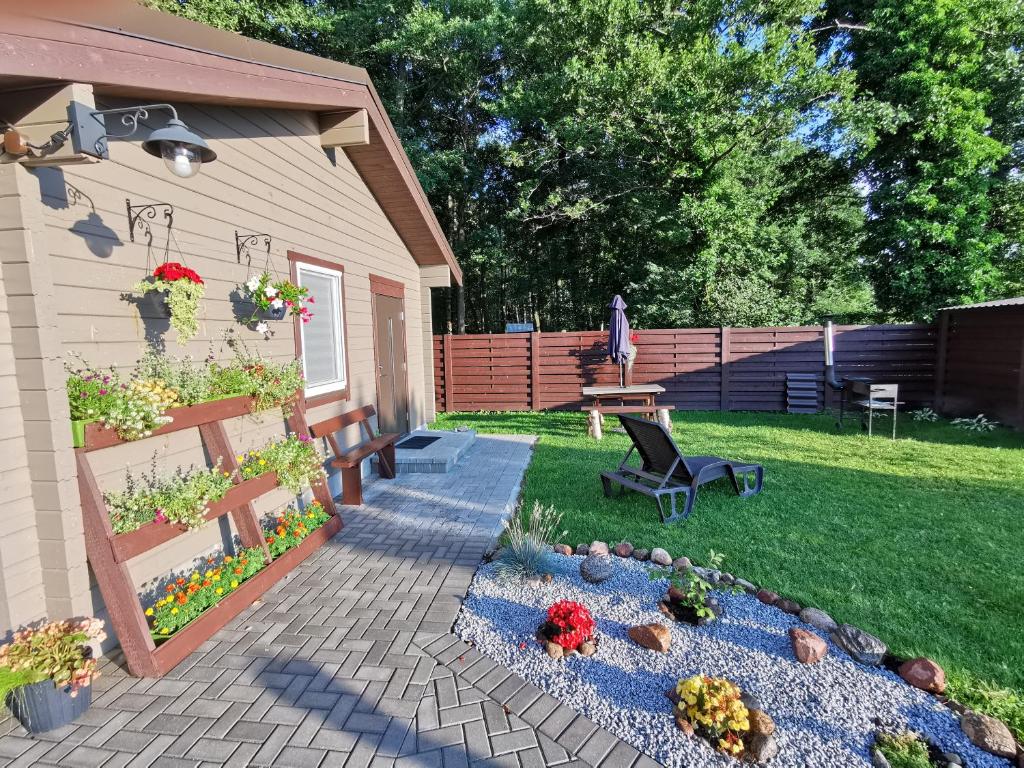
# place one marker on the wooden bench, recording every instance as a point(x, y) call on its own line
point(595, 421)
point(349, 461)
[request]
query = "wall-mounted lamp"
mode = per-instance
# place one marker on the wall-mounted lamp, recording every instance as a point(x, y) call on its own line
point(183, 151)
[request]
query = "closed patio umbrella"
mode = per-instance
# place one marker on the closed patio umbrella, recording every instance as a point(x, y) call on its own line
point(618, 334)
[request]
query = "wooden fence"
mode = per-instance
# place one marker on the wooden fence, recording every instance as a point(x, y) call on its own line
point(739, 369)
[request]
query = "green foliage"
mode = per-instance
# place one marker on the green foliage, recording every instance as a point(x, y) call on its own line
point(903, 750)
point(181, 497)
point(133, 409)
point(948, 535)
point(291, 527)
point(976, 424)
point(182, 297)
point(924, 414)
point(527, 541)
point(58, 651)
point(996, 701)
point(294, 459)
point(694, 587)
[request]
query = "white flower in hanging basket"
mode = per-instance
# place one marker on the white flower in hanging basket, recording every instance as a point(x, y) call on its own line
point(270, 291)
point(254, 283)
point(277, 303)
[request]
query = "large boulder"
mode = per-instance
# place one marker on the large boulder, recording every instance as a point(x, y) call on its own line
point(924, 674)
point(988, 733)
point(862, 646)
point(654, 637)
point(660, 557)
point(597, 568)
point(807, 646)
point(818, 619)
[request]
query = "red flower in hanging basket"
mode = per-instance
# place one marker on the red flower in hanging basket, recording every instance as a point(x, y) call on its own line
point(172, 270)
point(574, 623)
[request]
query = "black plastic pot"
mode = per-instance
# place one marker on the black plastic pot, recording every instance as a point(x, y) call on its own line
point(153, 304)
point(273, 314)
point(43, 706)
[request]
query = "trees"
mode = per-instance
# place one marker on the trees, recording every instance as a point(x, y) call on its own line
point(750, 162)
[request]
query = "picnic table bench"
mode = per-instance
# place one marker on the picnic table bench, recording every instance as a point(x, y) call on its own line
point(632, 399)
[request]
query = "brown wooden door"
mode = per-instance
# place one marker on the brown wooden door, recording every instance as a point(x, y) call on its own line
point(389, 353)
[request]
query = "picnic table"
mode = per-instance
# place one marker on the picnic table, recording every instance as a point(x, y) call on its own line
point(635, 398)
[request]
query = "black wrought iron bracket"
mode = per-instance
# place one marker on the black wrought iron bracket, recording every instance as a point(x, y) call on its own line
point(243, 244)
point(140, 216)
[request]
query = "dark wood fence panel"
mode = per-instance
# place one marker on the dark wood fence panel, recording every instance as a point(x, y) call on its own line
point(700, 368)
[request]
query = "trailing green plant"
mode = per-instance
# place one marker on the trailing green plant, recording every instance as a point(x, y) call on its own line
point(924, 414)
point(903, 750)
point(294, 459)
point(693, 586)
point(183, 290)
point(528, 540)
point(182, 497)
point(978, 424)
point(57, 650)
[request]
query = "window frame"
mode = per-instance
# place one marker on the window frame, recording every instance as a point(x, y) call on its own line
point(322, 396)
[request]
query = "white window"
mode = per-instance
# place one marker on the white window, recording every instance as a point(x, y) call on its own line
point(323, 337)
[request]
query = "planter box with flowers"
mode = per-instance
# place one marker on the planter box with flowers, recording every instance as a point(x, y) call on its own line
point(46, 672)
point(182, 290)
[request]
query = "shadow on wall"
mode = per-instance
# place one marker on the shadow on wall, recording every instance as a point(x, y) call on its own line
point(59, 194)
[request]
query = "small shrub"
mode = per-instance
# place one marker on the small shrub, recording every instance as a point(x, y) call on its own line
point(694, 586)
point(712, 706)
point(978, 424)
point(924, 414)
point(569, 624)
point(57, 651)
point(903, 750)
point(528, 542)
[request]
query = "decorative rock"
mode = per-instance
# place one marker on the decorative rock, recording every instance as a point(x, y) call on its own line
point(789, 606)
point(641, 554)
point(625, 549)
point(654, 637)
point(862, 646)
point(1020, 760)
point(750, 701)
point(672, 696)
point(548, 578)
point(878, 760)
point(660, 557)
point(562, 549)
point(587, 648)
point(681, 564)
point(988, 733)
point(761, 723)
point(597, 568)
point(676, 595)
point(708, 574)
point(554, 650)
point(682, 723)
point(952, 758)
point(767, 597)
point(807, 646)
point(924, 674)
point(582, 549)
point(746, 586)
point(761, 749)
point(728, 578)
point(818, 619)
point(598, 548)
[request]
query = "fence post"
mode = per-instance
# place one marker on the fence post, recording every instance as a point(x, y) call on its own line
point(446, 377)
point(723, 335)
point(940, 361)
point(535, 344)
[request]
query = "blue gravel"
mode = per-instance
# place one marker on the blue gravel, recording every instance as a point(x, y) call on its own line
point(825, 713)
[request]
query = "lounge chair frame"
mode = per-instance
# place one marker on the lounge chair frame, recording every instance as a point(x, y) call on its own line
point(665, 471)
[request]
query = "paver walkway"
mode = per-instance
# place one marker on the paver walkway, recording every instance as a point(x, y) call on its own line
point(350, 660)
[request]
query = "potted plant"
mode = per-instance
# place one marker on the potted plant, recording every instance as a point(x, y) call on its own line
point(46, 672)
point(275, 299)
point(182, 290)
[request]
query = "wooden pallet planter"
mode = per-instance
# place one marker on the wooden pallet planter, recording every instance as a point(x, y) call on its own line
point(108, 552)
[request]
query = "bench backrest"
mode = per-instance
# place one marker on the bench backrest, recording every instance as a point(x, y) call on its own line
point(329, 427)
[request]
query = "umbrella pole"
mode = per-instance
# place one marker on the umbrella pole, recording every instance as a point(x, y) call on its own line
point(622, 380)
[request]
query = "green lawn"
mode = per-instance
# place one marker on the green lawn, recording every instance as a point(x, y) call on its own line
point(918, 541)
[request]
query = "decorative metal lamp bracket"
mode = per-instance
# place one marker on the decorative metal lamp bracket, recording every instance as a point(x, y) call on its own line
point(245, 242)
point(141, 215)
point(88, 127)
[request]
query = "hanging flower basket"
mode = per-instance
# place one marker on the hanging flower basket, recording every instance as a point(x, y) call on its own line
point(179, 290)
point(273, 300)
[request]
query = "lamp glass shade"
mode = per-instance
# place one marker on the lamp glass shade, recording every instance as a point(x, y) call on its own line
point(182, 150)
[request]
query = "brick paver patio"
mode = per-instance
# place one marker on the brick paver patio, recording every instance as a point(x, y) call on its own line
point(350, 660)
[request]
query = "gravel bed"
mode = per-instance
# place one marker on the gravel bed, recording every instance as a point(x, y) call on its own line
point(825, 713)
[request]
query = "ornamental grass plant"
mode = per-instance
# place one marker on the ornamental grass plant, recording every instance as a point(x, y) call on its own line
point(527, 541)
